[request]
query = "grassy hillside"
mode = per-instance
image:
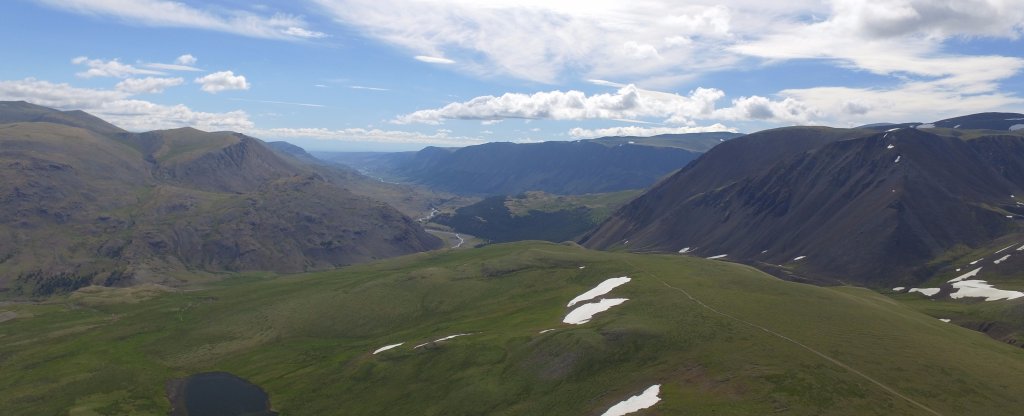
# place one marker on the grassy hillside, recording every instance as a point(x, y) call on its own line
point(720, 338)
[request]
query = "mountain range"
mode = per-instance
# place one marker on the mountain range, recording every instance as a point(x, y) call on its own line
point(84, 202)
point(876, 206)
point(558, 167)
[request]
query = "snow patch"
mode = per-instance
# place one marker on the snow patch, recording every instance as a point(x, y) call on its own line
point(981, 289)
point(632, 142)
point(1007, 248)
point(944, 320)
point(1021, 248)
point(717, 257)
point(890, 147)
point(892, 130)
point(387, 347)
point(684, 250)
point(583, 314)
point(798, 258)
point(898, 289)
point(976, 261)
point(971, 273)
point(1016, 127)
point(956, 126)
point(1002, 259)
point(546, 331)
point(925, 126)
point(583, 267)
point(636, 403)
point(898, 159)
point(441, 339)
point(927, 291)
point(600, 290)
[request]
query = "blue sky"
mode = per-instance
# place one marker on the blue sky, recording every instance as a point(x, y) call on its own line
point(381, 75)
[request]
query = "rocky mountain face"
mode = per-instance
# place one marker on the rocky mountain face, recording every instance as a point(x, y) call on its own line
point(860, 206)
point(84, 202)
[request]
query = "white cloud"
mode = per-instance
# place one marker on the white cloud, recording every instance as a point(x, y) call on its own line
point(304, 33)
point(639, 131)
point(222, 81)
point(628, 102)
point(440, 137)
point(662, 44)
point(111, 68)
point(171, 67)
point(362, 87)
point(164, 13)
point(149, 85)
point(117, 107)
point(540, 40)
point(434, 59)
point(186, 59)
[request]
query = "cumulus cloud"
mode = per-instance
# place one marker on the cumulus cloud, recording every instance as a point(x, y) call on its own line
point(118, 107)
point(640, 131)
point(186, 59)
point(149, 85)
point(222, 81)
point(434, 59)
point(112, 68)
point(166, 13)
point(628, 102)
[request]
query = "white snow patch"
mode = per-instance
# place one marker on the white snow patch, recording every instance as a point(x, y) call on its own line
point(892, 130)
point(944, 320)
point(957, 269)
point(925, 126)
point(1002, 259)
point(1007, 248)
point(1009, 216)
point(636, 403)
point(600, 290)
point(387, 347)
point(971, 273)
point(441, 339)
point(1016, 127)
point(956, 126)
point(798, 258)
point(717, 257)
point(684, 250)
point(1021, 248)
point(981, 289)
point(898, 289)
point(582, 314)
point(546, 331)
point(632, 142)
point(927, 291)
point(890, 147)
point(976, 261)
point(764, 251)
point(898, 159)
point(583, 267)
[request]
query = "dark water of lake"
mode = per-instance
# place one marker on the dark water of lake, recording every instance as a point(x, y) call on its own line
point(217, 394)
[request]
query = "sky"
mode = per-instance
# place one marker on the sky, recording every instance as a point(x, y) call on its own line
point(379, 75)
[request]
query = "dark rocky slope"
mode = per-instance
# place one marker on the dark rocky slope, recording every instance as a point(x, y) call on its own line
point(858, 210)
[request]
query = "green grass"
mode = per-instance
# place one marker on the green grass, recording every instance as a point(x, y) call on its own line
point(307, 340)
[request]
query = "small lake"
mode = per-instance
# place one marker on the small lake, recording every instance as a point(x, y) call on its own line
point(217, 394)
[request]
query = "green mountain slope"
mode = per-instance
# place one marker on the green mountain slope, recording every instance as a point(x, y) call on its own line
point(719, 338)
